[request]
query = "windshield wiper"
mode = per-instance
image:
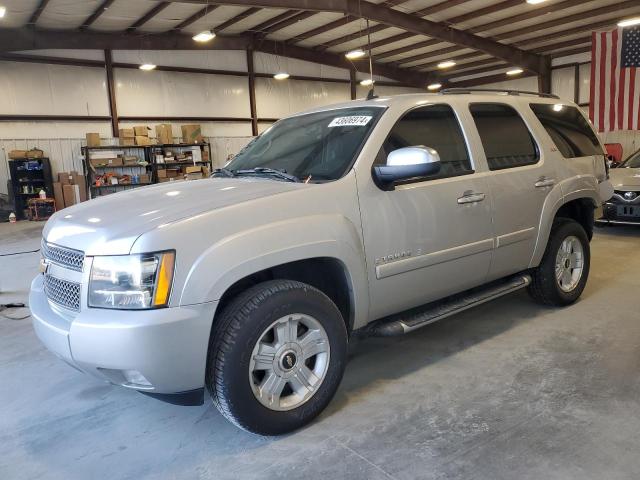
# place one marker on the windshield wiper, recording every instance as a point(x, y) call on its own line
point(272, 172)
point(223, 172)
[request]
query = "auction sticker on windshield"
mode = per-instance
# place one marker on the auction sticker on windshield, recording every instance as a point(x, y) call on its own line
point(352, 121)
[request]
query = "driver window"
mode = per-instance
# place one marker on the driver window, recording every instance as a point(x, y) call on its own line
point(434, 126)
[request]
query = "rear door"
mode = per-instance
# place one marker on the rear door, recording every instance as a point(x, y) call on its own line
point(521, 178)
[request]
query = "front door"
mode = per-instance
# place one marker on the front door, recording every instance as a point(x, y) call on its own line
point(430, 237)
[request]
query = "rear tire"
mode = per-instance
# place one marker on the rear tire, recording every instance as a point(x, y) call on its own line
point(276, 358)
point(562, 274)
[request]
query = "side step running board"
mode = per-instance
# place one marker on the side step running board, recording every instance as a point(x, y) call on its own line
point(415, 318)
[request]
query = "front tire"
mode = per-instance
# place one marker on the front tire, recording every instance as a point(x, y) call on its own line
point(276, 358)
point(562, 274)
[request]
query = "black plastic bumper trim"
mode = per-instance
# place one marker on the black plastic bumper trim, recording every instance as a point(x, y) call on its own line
point(190, 398)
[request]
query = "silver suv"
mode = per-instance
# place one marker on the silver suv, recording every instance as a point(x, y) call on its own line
point(371, 217)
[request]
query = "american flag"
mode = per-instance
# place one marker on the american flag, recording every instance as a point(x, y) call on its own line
point(615, 79)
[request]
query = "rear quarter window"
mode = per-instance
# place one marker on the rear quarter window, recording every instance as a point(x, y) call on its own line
point(568, 129)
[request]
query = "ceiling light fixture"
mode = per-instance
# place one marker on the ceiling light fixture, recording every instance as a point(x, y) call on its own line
point(447, 64)
point(629, 22)
point(281, 76)
point(205, 36)
point(147, 67)
point(366, 82)
point(515, 71)
point(3, 11)
point(535, 2)
point(435, 86)
point(355, 54)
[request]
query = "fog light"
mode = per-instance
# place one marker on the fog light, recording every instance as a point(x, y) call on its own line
point(134, 377)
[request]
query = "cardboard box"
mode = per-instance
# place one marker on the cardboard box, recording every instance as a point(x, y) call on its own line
point(35, 153)
point(171, 172)
point(205, 154)
point(127, 141)
point(141, 131)
point(64, 178)
point(129, 160)
point(192, 134)
point(71, 194)
point(188, 170)
point(81, 182)
point(17, 154)
point(143, 140)
point(144, 178)
point(93, 139)
point(106, 162)
point(164, 134)
point(126, 133)
point(58, 196)
point(162, 173)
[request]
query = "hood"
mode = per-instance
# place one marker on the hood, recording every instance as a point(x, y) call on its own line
point(111, 224)
point(625, 179)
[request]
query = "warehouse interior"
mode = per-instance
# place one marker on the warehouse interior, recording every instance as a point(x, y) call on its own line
point(101, 97)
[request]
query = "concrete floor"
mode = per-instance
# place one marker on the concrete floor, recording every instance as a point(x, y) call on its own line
point(507, 390)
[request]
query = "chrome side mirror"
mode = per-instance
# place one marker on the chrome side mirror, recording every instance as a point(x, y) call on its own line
point(405, 163)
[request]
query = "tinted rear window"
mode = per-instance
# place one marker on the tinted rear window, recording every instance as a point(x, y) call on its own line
point(505, 137)
point(568, 129)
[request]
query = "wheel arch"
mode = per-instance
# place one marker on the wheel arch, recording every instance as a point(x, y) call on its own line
point(578, 206)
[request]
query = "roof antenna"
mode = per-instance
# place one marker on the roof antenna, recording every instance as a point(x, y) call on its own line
point(372, 94)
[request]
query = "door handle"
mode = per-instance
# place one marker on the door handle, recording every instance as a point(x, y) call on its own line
point(544, 182)
point(471, 198)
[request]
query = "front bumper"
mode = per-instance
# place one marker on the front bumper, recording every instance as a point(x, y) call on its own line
point(168, 346)
point(610, 215)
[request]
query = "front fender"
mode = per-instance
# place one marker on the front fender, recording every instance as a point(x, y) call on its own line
point(244, 253)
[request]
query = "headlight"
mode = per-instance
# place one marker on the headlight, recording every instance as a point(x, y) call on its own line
point(131, 282)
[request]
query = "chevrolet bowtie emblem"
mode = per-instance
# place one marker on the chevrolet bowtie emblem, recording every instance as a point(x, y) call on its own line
point(44, 266)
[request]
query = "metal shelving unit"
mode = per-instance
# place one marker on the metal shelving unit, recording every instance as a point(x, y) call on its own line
point(147, 153)
point(28, 176)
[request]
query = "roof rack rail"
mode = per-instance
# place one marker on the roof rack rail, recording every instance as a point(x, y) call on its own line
point(454, 91)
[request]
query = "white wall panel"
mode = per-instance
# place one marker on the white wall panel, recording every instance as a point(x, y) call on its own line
point(276, 99)
point(234, 60)
point(157, 94)
point(385, 91)
point(267, 63)
point(585, 83)
point(562, 83)
point(529, 84)
point(66, 129)
point(37, 89)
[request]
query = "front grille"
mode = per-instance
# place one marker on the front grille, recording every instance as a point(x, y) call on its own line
point(62, 292)
point(66, 257)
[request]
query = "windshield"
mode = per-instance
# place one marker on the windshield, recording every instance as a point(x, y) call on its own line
point(633, 161)
point(316, 147)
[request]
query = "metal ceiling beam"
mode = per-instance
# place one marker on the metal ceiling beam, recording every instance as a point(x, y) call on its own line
point(539, 27)
point(16, 39)
point(405, 21)
point(36, 15)
point(288, 22)
point(238, 18)
point(96, 14)
point(195, 17)
point(148, 16)
point(273, 20)
point(425, 12)
point(322, 29)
